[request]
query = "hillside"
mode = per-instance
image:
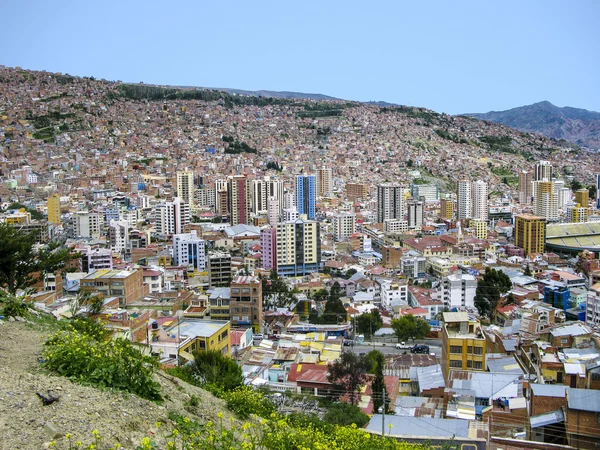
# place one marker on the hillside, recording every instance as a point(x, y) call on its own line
point(25, 423)
point(78, 128)
point(579, 126)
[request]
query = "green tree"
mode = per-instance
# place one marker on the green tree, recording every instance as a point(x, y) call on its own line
point(214, 369)
point(490, 289)
point(334, 311)
point(593, 191)
point(347, 374)
point(410, 327)
point(345, 414)
point(378, 385)
point(21, 265)
point(369, 323)
point(576, 185)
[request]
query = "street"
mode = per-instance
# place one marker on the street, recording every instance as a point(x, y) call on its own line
point(389, 347)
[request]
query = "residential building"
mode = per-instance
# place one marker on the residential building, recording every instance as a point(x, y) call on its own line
point(268, 243)
point(480, 227)
point(274, 210)
point(578, 213)
point(597, 177)
point(429, 192)
point(245, 303)
point(170, 217)
point(189, 250)
point(390, 202)
point(239, 199)
point(185, 187)
point(582, 418)
point(543, 171)
point(545, 201)
point(219, 268)
point(88, 224)
point(415, 213)
point(298, 247)
point(259, 196)
point(356, 191)
point(479, 203)
point(463, 343)
point(525, 187)
point(393, 293)
point(94, 258)
point(126, 285)
point(446, 209)
point(219, 303)
point(344, 226)
point(582, 196)
point(54, 209)
point(530, 233)
point(118, 233)
point(458, 290)
point(325, 182)
point(306, 195)
point(464, 200)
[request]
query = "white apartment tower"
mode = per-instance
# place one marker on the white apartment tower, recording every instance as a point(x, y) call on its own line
point(88, 224)
point(464, 205)
point(344, 226)
point(185, 187)
point(479, 201)
point(415, 213)
point(189, 250)
point(545, 201)
point(171, 217)
point(390, 202)
point(118, 231)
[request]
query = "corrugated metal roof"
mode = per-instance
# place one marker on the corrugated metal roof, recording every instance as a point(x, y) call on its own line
point(548, 418)
point(548, 390)
point(584, 399)
point(420, 426)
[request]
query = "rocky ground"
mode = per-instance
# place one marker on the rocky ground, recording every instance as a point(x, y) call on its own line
point(26, 423)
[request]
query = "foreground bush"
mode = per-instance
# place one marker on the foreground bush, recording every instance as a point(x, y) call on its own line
point(244, 401)
point(85, 353)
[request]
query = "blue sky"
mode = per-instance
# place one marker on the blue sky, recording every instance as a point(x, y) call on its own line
point(450, 56)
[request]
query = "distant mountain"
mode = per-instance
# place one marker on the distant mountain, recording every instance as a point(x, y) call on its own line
point(579, 126)
point(277, 94)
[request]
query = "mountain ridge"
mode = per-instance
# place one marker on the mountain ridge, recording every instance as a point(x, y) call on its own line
point(576, 125)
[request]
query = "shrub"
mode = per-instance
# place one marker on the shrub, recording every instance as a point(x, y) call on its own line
point(13, 307)
point(97, 360)
point(345, 414)
point(244, 401)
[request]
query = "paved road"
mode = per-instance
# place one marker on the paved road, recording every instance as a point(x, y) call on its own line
point(390, 348)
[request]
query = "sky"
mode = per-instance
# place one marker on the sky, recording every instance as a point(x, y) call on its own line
point(449, 56)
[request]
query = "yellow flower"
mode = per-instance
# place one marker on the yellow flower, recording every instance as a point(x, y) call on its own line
point(68, 435)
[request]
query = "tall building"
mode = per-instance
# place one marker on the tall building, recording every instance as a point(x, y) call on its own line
point(189, 250)
point(545, 202)
point(458, 290)
point(268, 243)
point(543, 171)
point(275, 188)
point(598, 190)
point(240, 199)
point(118, 234)
point(325, 182)
point(530, 233)
point(390, 202)
point(356, 191)
point(479, 201)
point(415, 213)
point(298, 247)
point(464, 205)
point(170, 217)
point(429, 192)
point(582, 196)
point(578, 213)
point(525, 187)
point(88, 224)
point(446, 209)
point(306, 195)
point(185, 187)
point(463, 343)
point(259, 196)
point(274, 210)
point(344, 226)
point(245, 303)
point(54, 209)
point(219, 269)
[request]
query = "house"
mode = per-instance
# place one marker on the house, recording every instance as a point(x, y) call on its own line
point(582, 418)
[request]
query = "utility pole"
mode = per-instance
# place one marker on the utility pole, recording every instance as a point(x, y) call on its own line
point(383, 413)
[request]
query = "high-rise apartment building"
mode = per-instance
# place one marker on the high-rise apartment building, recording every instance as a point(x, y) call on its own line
point(429, 192)
point(463, 343)
point(480, 227)
point(479, 201)
point(274, 210)
point(298, 247)
point(582, 196)
point(390, 202)
point(306, 190)
point(118, 234)
point(543, 171)
point(415, 213)
point(464, 200)
point(344, 226)
point(530, 233)
point(525, 187)
point(54, 209)
point(170, 217)
point(325, 182)
point(88, 224)
point(545, 202)
point(578, 213)
point(189, 250)
point(356, 191)
point(268, 243)
point(240, 199)
point(446, 209)
point(185, 187)
point(597, 190)
point(259, 196)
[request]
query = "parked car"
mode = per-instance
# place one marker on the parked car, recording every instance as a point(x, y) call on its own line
point(274, 337)
point(420, 348)
point(258, 336)
point(348, 342)
point(402, 345)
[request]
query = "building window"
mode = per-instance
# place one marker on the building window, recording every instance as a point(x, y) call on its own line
point(469, 349)
point(469, 364)
point(477, 365)
point(478, 351)
point(455, 349)
point(456, 364)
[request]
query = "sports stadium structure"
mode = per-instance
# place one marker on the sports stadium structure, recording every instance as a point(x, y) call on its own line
point(572, 238)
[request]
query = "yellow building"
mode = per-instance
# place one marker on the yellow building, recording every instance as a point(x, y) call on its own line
point(463, 343)
point(480, 228)
point(20, 217)
point(219, 303)
point(446, 208)
point(578, 213)
point(54, 209)
point(582, 196)
point(530, 233)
